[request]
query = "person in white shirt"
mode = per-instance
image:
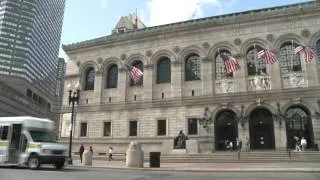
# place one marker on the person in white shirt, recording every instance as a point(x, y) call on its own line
point(303, 143)
point(110, 153)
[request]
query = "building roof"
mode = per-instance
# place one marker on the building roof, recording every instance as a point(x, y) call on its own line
point(204, 22)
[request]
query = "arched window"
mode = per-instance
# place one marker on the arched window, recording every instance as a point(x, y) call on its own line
point(318, 49)
point(297, 119)
point(164, 71)
point(139, 65)
point(112, 77)
point(255, 66)
point(192, 68)
point(89, 79)
point(289, 62)
point(221, 72)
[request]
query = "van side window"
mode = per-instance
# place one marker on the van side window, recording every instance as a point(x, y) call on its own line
point(4, 134)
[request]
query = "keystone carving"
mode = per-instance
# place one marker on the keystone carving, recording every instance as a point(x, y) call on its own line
point(148, 53)
point(78, 63)
point(206, 45)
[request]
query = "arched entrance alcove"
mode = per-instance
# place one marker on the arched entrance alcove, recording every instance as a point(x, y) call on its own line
point(298, 123)
point(226, 129)
point(261, 129)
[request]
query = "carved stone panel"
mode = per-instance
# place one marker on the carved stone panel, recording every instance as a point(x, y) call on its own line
point(225, 86)
point(176, 49)
point(256, 83)
point(123, 57)
point(292, 80)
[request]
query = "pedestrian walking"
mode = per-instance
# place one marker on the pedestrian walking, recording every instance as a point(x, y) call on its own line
point(110, 153)
point(91, 150)
point(303, 143)
point(81, 150)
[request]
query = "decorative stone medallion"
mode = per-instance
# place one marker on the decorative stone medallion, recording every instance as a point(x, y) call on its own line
point(206, 45)
point(78, 63)
point(305, 33)
point(176, 49)
point(123, 57)
point(100, 60)
point(148, 53)
point(270, 37)
point(237, 41)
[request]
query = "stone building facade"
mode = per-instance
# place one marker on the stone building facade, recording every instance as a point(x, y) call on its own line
point(184, 75)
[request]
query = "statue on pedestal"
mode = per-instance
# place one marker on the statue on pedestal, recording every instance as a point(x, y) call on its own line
point(180, 141)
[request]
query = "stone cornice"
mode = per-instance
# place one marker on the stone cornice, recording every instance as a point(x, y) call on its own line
point(236, 98)
point(253, 15)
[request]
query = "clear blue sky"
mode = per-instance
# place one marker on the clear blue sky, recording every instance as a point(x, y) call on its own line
point(88, 19)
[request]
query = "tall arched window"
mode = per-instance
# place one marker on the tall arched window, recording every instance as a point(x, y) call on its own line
point(192, 68)
point(139, 65)
point(255, 66)
point(289, 62)
point(164, 71)
point(318, 49)
point(112, 77)
point(89, 79)
point(221, 72)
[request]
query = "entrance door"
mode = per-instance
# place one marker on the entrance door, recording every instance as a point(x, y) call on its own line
point(261, 129)
point(298, 123)
point(14, 144)
point(226, 129)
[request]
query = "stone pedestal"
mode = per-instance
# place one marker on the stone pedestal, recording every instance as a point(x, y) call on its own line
point(192, 146)
point(134, 155)
point(87, 158)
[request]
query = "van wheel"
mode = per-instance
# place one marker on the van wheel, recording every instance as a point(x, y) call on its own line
point(59, 165)
point(33, 162)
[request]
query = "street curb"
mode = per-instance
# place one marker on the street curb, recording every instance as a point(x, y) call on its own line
point(203, 170)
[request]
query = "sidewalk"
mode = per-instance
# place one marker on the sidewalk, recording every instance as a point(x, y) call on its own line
point(211, 167)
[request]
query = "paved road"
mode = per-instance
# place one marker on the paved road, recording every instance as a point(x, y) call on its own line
point(109, 174)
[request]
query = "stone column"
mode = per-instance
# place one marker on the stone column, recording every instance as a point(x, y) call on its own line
point(280, 135)
point(207, 72)
point(239, 76)
point(176, 83)
point(312, 73)
point(147, 82)
point(97, 88)
point(275, 75)
point(122, 85)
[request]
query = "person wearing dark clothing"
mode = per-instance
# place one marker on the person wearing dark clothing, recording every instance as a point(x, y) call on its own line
point(91, 150)
point(110, 153)
point(81, 150)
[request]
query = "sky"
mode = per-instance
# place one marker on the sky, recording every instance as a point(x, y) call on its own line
point(89, 19)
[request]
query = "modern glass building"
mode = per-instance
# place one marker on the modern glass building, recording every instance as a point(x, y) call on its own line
point(30, 32)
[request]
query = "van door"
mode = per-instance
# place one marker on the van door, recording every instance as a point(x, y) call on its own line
point(14, 144)
point(4, 142)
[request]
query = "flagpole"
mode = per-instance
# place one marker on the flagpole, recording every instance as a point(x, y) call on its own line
point(292, 55)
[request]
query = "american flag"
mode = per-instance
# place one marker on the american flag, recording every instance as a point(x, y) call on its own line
point(230, 63)
point(269, 56)
point(308, 53)
point(135, 73)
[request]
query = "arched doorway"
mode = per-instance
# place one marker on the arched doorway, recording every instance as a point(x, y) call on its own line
point(226, 129)
point(261, 129)
point(298, 123)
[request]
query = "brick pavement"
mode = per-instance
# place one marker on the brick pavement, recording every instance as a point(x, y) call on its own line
point(209, 167)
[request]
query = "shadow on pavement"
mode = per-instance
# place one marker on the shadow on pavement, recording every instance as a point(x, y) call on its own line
point(48, 168)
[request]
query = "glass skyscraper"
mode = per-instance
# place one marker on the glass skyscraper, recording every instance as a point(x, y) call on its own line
point(30, 32)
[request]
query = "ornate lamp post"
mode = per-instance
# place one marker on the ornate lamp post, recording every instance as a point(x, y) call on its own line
point(74, 94)
point(206, 120)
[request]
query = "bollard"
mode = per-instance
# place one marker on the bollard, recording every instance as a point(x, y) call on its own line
point(87, 158)
point(134, 155)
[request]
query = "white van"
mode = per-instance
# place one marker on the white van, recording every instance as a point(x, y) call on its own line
point(30, 141)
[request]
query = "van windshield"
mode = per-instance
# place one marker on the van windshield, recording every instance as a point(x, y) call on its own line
point(43, 136)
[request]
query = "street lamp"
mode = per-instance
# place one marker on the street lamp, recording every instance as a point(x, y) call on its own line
point(206, 120)
point(74, 94)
